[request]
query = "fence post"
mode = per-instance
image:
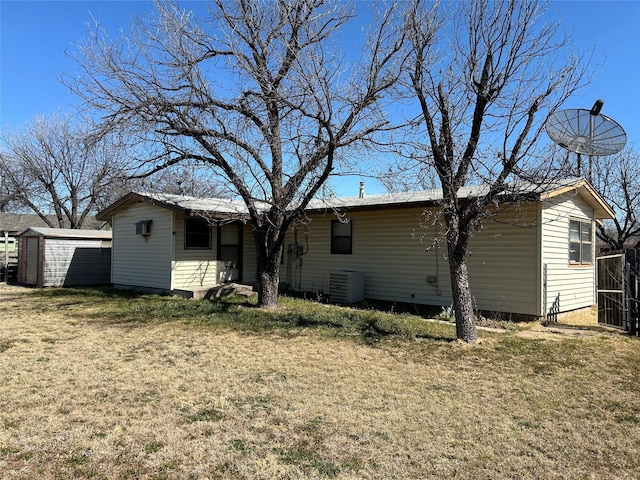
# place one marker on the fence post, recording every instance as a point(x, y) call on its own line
point(544, 290)
point(631, 277)
point(6, 256)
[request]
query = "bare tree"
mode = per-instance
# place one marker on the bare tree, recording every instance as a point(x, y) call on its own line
point(7, 194)
point(185, 179)
point(616, 178)
point(53, 167)
point(485, 75)
point(255, 89)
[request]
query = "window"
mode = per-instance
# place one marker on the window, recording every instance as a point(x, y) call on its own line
point(341, 237)
point(197, 233)
point(580, 242)
point(230, 243)
point(10, 245)
point(143, 227)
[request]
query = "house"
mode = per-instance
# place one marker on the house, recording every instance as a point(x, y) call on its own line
point(527, 258)
point(57, 257)
point(169, 243)
point(8, 250)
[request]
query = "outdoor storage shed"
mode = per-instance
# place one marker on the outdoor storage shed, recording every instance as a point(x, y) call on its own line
point(57, 257)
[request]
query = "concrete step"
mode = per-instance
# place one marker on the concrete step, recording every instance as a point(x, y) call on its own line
point(224, 290)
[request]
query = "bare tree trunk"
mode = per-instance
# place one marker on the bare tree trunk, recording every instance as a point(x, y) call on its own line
point(267, 269)
point(458, 233)
point(268, 281)
point(463, 301)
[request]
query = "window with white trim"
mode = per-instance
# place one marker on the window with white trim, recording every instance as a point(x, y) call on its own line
point(580, 242)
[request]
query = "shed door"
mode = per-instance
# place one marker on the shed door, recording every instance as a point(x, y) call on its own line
point(32, 261)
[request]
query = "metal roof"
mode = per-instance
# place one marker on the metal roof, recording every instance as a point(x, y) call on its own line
point(195, 204)
point(14, 223)
point(390, 199)
point(229, 208)
point(183, 203)
point(432, 197)
point(68, 233)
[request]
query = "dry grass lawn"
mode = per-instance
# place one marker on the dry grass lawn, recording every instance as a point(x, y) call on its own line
point(85, 395)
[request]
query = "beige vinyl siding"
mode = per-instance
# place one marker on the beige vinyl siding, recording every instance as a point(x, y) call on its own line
point(249, 262)
point(504, 263)
point(193, 268)
point(575, 283)
point(140, 261)
point(397, 255)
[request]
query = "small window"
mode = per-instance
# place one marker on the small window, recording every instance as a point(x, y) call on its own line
point(143, 227)
point(197, 233)
point(10, 245)
point(580, 242)
point(341, 237)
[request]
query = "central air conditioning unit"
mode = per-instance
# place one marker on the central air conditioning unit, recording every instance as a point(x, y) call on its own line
point(346, 286)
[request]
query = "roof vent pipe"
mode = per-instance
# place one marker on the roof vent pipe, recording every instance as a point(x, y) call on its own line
point(361, 194)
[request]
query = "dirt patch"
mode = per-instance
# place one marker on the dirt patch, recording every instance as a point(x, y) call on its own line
point(579, 324)
point(562, 332)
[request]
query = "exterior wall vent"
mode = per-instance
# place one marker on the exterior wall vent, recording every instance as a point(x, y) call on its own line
point(346, 286)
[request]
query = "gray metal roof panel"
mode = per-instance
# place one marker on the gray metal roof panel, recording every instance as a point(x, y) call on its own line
point(184, 202)
point(69, 233)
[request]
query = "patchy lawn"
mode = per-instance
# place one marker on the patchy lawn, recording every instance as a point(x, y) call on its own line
point(104, 385)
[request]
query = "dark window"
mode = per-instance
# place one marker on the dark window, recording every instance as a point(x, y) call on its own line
point(230, 243)
point(197, 233)
point(580, 242)
point(143, 227)
point(341, 237)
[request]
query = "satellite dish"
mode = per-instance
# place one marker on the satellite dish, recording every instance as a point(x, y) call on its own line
point(586, 132)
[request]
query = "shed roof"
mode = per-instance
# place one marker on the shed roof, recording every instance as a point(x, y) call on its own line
point(68, 233)
point(14, 223)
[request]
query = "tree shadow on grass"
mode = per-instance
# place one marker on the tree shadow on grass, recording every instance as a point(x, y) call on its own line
point(371, 326)
point(95, 292)
point(293, 317)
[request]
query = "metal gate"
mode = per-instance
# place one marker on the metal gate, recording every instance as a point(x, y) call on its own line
point(618, 291)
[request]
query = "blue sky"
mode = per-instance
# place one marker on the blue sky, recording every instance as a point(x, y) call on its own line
point(34, 35)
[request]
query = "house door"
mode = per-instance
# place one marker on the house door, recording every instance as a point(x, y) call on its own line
point(230, 252)
point(31, 277)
